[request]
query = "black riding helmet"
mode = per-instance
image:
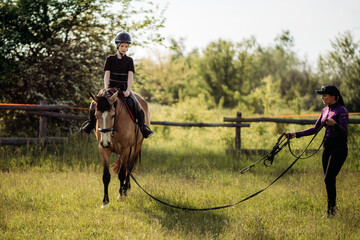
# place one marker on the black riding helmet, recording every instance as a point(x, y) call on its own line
point(122, 37)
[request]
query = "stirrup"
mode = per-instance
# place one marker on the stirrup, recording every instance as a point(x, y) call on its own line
point(146, 131)
point(86, 127)
point(83, 125)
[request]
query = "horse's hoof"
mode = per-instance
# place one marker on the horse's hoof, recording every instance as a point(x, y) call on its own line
point(121, 197)
point(105, 206)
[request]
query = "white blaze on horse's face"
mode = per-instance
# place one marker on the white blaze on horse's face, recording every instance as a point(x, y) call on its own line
point(105, 125)
point(104, 136)
point(105, 115)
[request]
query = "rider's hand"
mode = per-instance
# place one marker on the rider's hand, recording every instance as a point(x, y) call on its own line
point(126, 93)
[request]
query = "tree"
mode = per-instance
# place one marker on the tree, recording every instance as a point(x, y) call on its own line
point(245, 65)
point(167, 78)
point(341, 67)
point(228, 74)
point(55, 50)
point(217, 69)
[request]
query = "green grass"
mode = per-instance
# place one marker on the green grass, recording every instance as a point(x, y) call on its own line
point(55, 191)
point(38, 204)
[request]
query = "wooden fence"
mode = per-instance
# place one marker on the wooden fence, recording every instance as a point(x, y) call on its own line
point(239, 119)
point(43, 110)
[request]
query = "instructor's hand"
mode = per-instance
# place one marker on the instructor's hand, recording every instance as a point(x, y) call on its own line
point(330, 122)
point(292, 135)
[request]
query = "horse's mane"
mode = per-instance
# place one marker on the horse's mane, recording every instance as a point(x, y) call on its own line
point(103, 104)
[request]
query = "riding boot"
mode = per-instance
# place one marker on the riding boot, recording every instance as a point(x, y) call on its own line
point(90, 124)
point(145, 130)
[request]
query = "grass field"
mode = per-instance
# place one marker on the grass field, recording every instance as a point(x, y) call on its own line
point(38, 204)
point(55, 192)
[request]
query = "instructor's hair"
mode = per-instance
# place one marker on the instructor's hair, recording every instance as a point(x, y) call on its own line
point(340, 100)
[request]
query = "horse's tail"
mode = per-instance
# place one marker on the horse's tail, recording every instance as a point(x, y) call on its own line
point(117, 165)
point(139, 160)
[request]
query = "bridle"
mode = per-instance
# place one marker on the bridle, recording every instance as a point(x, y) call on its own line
point(113, 128)
point(105, 130)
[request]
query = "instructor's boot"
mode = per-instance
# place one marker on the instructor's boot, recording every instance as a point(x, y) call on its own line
point(90, 124)
point(331, 211)
point(145, 130)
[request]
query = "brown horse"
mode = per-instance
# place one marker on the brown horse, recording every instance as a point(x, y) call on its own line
point(117, 132)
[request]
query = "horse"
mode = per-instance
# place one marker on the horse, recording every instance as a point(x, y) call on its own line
point(117, 132)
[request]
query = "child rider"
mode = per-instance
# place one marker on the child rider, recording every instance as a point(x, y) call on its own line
point(119, 71)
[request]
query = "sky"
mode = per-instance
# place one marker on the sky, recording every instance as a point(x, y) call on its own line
point(312, 23)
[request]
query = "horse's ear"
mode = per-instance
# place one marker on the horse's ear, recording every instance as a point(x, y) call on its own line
point(113, 98)
point(95, 98)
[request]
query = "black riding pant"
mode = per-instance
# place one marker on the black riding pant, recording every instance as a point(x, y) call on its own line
point(333, 157)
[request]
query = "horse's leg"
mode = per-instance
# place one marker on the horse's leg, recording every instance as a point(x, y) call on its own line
point(130, 166)
point(105, 154)
point(122, 174)
point(106, 180)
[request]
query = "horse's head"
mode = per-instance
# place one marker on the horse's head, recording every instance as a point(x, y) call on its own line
point(105, 115)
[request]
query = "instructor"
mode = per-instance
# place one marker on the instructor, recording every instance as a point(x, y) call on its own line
point(335, 119)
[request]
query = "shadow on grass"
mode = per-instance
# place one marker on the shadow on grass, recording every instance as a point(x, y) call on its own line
point(165, 160)
point(209, 224)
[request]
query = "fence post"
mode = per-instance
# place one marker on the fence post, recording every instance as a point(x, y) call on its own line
point(42, 123)
point(238, 134)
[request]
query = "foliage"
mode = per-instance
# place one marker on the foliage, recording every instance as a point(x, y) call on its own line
point(232, 75)
point(218, 71)
point(267, 95)
point(171, 78)
point(163, 80)
point(341, 67)
point(228, 74)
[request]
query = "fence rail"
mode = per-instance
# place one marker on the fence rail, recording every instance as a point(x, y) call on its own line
point(58, 115)
point(24, 141)
point(42, 107)
point(282, 120)
point(198, 124)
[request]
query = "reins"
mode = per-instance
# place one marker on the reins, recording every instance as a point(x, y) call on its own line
point(292, 153)
point(282, 141)
point(134, 120)
point(280, 144)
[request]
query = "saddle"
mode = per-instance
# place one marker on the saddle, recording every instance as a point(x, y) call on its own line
point(133, 106)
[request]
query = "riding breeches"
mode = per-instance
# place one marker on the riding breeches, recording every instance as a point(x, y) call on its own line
point(333, 157)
